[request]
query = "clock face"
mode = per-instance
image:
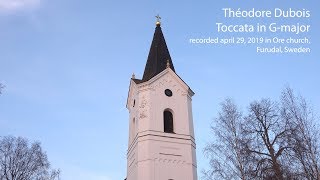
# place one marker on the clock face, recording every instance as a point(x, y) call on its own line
point(168, 92)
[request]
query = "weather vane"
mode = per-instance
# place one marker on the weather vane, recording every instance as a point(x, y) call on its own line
point(158, 19)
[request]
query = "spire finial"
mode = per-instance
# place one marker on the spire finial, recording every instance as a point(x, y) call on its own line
point(168, 63)
point(158, 23)
point(133, 76)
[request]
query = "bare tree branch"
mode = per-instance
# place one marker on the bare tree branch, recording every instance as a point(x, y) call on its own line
point(227, 160)
point(19, 161)
point(275, 140)
point(1, 87)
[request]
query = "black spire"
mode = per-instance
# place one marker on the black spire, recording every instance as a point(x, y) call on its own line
point(158, 57)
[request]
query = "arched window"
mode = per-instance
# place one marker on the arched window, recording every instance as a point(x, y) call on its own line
point(168, 121)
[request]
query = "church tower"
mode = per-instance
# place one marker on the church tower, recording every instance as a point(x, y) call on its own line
point(161, 137)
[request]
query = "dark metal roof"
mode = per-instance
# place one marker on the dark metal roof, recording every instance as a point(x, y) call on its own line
point(137, 81)
point(158, 56)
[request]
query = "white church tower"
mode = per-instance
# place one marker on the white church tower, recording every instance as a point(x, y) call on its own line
point(161, 136)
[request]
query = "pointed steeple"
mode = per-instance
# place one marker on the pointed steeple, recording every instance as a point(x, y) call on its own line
point(159, 55)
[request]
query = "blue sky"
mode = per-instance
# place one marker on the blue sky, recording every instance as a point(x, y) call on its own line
point(66, 66)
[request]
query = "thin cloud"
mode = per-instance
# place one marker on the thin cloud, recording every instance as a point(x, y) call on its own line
point(18, 5)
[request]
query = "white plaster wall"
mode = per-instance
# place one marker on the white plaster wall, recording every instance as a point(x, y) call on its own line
point(133, 96)
point(132, 155)
point(153, 154)
point(178, 103)
point(163, 159)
